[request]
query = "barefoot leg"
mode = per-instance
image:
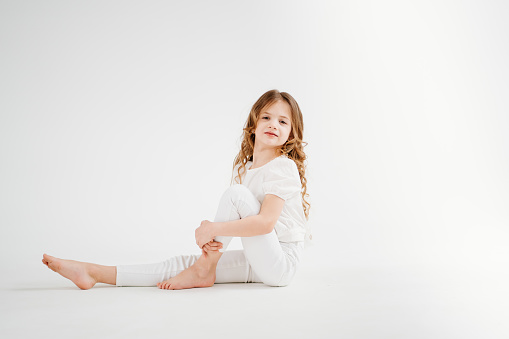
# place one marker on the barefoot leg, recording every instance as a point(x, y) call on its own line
point(84, 275)
point(104, 274)
point(201, 274)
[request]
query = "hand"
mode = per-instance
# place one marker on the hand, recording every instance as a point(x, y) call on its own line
point(211, 247)
point(203, 234)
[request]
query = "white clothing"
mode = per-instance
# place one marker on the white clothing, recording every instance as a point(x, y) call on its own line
point(279, 177)
point(264, 258)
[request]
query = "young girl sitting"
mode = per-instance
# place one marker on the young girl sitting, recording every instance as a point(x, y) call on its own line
point(265, 207)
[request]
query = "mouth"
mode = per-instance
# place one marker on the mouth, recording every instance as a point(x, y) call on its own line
point(271, 134)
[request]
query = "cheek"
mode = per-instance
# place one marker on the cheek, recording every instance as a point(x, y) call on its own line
point(288, 131)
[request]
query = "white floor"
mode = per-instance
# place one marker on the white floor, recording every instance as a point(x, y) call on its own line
point(345, 302)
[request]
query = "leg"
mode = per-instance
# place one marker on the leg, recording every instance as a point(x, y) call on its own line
point(275, 263)
point(179, 272)
point(201, 274)
point(152, 274)
point(82, 274)
point(267, 260)
point(232, 267)
point(237, 202)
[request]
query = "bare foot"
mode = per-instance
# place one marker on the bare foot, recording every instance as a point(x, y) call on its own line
point(76, 271)
point(200, 274)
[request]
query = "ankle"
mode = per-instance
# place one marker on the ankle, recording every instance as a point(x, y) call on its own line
point(207, 262)
point(93, 271)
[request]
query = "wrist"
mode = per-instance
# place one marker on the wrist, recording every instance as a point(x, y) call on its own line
point(214, 228)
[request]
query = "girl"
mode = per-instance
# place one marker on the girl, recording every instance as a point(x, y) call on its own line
point(266, 207)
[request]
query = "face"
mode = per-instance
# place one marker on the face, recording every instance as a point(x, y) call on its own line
point(274, 125)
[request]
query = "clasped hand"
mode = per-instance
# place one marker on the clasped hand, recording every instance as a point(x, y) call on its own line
point(205, 238)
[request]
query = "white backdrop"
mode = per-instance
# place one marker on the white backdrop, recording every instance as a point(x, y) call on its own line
point(119, 122)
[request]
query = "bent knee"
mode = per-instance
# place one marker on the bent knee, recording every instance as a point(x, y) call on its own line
point(236, 192)
point(237, 189)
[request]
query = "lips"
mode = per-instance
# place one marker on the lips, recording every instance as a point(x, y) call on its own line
point(269, 133)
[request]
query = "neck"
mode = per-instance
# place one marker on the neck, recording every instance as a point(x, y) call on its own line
point(263, 156)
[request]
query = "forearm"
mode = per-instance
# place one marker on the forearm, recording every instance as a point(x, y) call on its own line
point(246, 227)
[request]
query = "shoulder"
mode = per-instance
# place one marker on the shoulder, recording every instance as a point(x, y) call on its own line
point(282, 178)
point(284, 165)
point(284, 161)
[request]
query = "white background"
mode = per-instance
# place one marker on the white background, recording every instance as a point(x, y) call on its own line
point(119, 122)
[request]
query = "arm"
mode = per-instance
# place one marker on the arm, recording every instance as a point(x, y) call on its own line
point(259, 224)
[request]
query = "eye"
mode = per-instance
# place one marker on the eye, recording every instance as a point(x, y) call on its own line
point(265, 117)
point(284, 122)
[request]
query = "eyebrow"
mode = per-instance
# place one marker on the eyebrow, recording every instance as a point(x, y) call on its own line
point(281, 116)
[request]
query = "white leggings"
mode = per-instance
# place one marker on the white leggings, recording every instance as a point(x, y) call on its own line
point(264, 259)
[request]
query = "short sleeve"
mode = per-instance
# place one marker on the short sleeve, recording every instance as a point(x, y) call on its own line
point(282, 179)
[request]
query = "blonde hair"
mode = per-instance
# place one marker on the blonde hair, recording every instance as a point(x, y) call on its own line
point(293, 148)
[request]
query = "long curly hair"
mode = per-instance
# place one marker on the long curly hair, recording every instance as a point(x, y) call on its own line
point(293, 148)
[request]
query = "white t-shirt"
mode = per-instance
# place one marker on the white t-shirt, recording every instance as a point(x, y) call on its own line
point(281, 178)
